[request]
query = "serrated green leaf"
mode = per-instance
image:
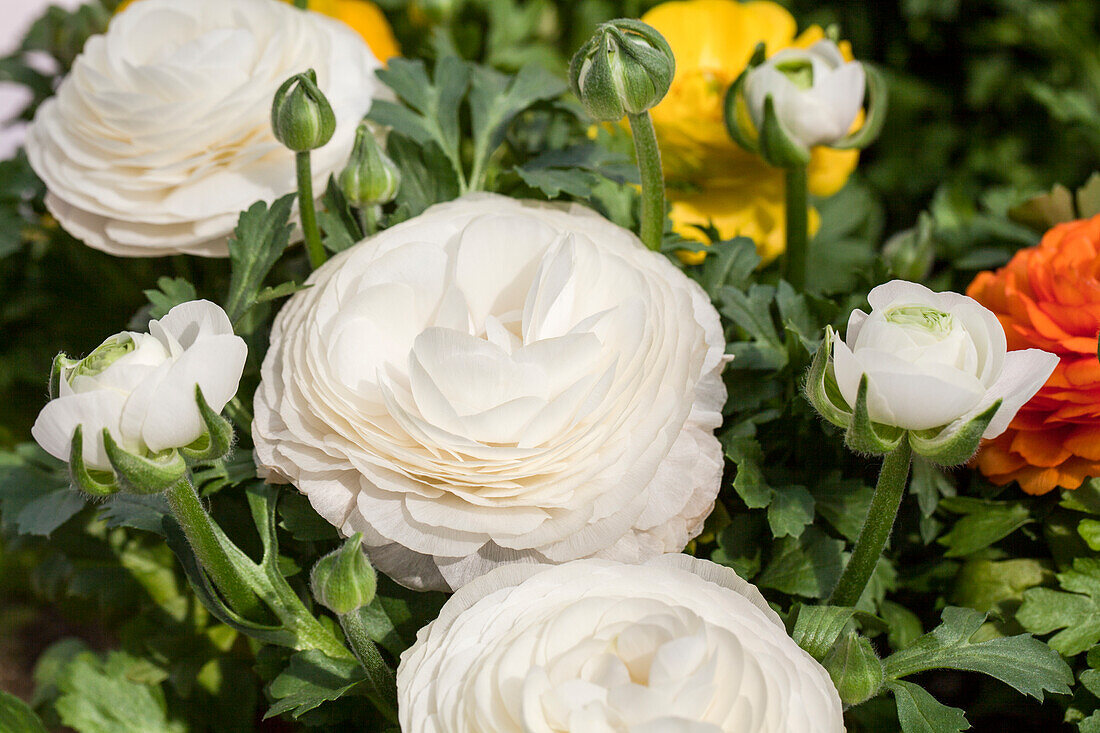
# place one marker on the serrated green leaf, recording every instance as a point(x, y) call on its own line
point(257, 243)
point(35, 496)
point(817, 628)
point(396, 614)
point(844, 504)
point(807, 566)
point(790, 511)
point(1089, 529)
point(1022, 662)
point(919, 712)
point(426, 176)
point(749, 481)
point(170, 292)
point(311, 679)
point(903, 625)
point(985, 522)
point(145, 512)
point(115, 695)
point(17, 717)
point(1076, 613)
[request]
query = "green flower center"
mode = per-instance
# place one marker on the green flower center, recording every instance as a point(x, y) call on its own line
point(104, 356)
point(799, 71)
point(922, 317)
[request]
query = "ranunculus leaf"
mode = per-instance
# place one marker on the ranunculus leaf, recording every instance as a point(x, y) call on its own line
point(919, 712)
point(816, 628)
point(169, 292)
point(749, 481)
point(1075, 615)
point(16, 715)
point(790, 511)
point(985, 522)
point(312, 678)
point(1022, 662)
point(114, 695)
point(35, 497)
point(258, 242)
point(807, 566)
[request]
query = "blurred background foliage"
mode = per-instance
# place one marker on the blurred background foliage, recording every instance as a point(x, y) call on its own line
point(992, 103)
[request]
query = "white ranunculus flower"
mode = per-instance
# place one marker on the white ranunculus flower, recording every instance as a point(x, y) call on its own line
point(817, 94)
point(141, 386)
point(497, 381)
point(161, 134)
point(676, 644)
point(934, 358)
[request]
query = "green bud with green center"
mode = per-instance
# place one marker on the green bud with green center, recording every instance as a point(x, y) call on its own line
point(625, 68)
point(301, 115)
point(925, 318)
point(370, 178)
point(343, 581)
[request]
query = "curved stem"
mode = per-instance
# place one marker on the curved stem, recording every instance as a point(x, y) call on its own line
point(798, 233)
point(368, 220)
point(876, 529)
point(653, 180)
point(314, 247)
point(379, 674)
point(197, 525)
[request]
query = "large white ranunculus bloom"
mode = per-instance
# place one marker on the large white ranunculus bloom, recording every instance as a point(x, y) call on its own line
point(141, 386)
point(934, 359)
point(816, 93)
point(497, 381)
point(161, 134)
point(676, 644)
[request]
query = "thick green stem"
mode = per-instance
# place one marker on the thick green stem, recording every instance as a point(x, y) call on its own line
point(877, 526)
point(379, 674)
point(653, 179)
point(798, 231)
point(314, 247)
point(368, 220)
point(197, 525)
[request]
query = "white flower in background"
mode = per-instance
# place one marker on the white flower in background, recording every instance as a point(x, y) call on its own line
point(676, 644)
point(816, 93)
point(497, 381)
point(141, 387)
point(161, 134)
point(934, 358)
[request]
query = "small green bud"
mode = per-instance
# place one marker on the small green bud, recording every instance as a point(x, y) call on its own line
point(301, 115)
point(625, 68)
point(856, 670)
point(343, 581)
point(911, 254)
point(370, 177)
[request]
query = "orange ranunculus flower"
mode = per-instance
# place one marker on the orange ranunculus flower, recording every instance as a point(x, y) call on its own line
point(1049, 297)
point(718, 181)
point(363, 16)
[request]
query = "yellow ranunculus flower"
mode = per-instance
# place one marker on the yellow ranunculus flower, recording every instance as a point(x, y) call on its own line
point(712, 180)
point(363, 16)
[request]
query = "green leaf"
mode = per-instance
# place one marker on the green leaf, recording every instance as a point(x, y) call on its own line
point(790, 511)
point(341, 230)
point(764, 349)
point(985, 522)
point(302, 520)
point(35, 497)
point(137, 511)
point(311, 679)
point(16, 716)
point(919, 712)
point(816, 628)
point(987, 585)
point(257, 244)
point(1076, 613)
point(1089, 529)
point(396, 614)
point(749, 482)
point(903, 625)
point(495, 100)
point(115, 695)
point(844, 503)
point(170, 292)
point(807, 566)
point(426, 176)
point(1022, 662)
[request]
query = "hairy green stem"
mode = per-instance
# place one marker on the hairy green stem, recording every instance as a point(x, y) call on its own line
point(379, 674)
point(653, 180)
point(368, 220)
point(314, 247)
point(199, 528)
point(798, 232)
point(877, 526)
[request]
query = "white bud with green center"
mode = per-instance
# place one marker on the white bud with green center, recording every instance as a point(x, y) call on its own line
point(625, 68)
point(933, 364)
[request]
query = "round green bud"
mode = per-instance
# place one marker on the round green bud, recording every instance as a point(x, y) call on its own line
point(370, 177)
point(625, 68)
point(343, 581)
point(856, 670)
point(301, 115)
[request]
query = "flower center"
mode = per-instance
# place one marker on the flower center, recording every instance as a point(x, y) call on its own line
point(799, 71)
point(103, 357)
point(934, 322)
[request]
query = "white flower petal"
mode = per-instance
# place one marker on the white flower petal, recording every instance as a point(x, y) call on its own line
point(56, 423)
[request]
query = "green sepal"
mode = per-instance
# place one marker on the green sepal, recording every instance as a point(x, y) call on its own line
point(142, 475)
point(816, 628)
point(866, 436)
point(301, 115)
point(820, 382)
point(776, 144)
point(759, 55)
point(613, 74)
point(878, 96)
point(343, 581)
point(948, 447)
point(88, 481)
point(60, 364)
point(856, 670)
point(216, 440)
point(735, 100)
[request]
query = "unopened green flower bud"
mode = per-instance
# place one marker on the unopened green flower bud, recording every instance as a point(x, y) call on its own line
point(625, 68)
point(911, 254)
point(301, 115)
point(343, 581)
point(856, 670)
point(370, 177)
